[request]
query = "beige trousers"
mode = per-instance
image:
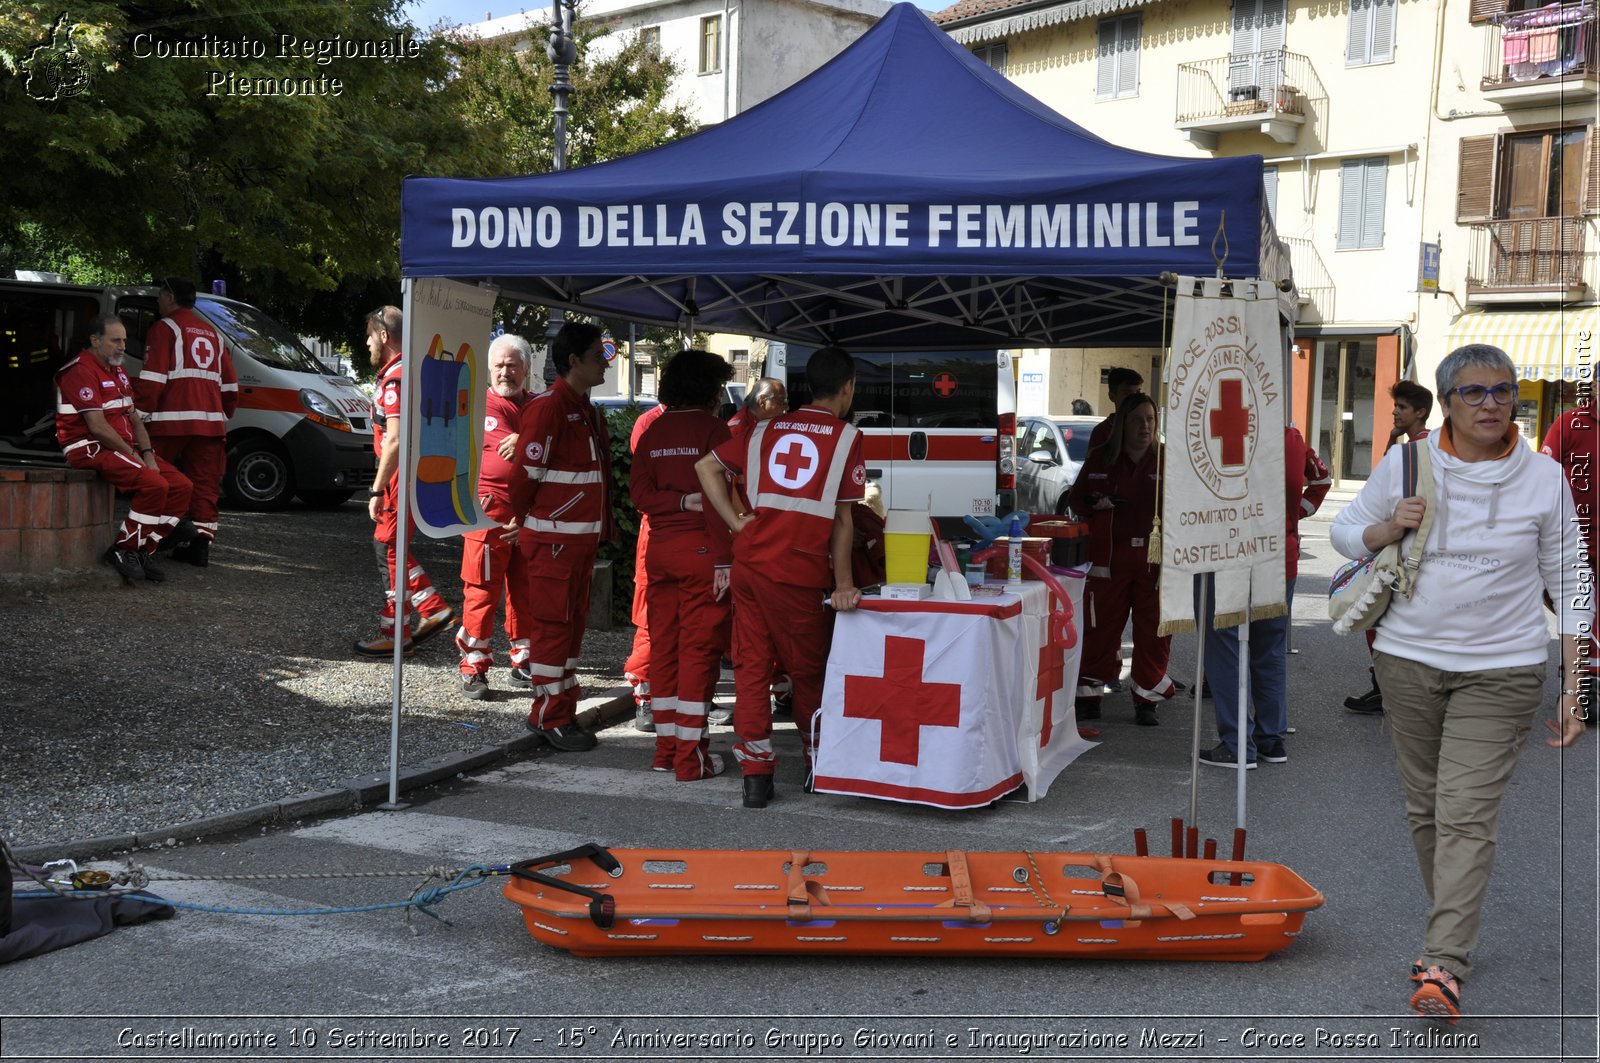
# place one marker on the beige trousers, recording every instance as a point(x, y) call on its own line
point(1456, 737)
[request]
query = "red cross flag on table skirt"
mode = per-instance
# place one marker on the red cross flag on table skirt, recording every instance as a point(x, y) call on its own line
point(952, 704)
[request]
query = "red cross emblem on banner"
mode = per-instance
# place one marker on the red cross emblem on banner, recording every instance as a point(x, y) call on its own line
point(945, 385)
point(1230, 421)
point(1052, 666)
point(901, 701)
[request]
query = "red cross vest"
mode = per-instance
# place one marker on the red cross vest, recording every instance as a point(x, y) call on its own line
point(796, 469)
point(566, 456)
point(187, 385)
point(84, 384)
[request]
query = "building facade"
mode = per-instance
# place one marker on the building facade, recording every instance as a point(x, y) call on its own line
point(1434, 168)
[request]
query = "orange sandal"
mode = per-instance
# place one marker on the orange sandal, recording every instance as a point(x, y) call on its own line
point(1439, 996)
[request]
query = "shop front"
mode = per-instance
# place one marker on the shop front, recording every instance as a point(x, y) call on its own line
point(1553, 351)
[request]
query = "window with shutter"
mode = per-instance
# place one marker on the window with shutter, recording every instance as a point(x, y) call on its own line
point(1270, 176)
point(1362, 187)
point(1475, 180)
point(1484, 10)
point(1370, 33)
point(993, 55)
point(1117, 69)
point(1591, 189)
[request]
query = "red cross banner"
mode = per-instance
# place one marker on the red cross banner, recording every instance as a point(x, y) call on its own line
point(1223, 481)
point(951, 704)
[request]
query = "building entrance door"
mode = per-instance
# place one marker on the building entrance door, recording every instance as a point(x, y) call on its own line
point(1347, 373)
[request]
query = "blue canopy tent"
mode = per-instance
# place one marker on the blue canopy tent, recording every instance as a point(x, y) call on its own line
point(903, 196)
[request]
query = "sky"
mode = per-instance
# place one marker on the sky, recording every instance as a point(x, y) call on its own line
point(424, 13)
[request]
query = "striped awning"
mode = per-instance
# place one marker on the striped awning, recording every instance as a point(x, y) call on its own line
point(1545, 345)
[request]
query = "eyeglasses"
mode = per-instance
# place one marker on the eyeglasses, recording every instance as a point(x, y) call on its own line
point(1474, 394)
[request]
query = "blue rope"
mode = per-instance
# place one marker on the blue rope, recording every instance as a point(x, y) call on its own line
point(424, 900)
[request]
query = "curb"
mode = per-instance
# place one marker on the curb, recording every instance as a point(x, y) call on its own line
point(347, 795)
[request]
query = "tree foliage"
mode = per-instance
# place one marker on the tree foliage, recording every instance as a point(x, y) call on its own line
point(124, 161)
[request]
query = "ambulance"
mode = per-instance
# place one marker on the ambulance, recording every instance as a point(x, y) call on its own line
point(299, 430)
point(939, 427)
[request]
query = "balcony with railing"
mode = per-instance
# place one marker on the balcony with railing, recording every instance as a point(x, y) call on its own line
point(1547, 55)
point(1312, 281)
point(1274, 92)
point(1526, 260)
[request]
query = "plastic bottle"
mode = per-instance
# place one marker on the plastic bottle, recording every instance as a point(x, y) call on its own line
point(1014, 552)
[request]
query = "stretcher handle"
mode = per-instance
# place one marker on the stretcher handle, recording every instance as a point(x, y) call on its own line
point(602, 906)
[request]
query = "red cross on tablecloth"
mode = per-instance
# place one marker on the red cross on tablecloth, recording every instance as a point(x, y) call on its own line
point(901, 701)
point(794, 460)
point(1230, 421)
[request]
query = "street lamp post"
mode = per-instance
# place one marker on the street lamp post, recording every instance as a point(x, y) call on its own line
point(563, 52)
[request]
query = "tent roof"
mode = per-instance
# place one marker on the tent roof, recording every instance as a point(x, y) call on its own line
point(903, 195)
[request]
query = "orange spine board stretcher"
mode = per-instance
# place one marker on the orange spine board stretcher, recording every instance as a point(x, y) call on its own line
point(592, 901)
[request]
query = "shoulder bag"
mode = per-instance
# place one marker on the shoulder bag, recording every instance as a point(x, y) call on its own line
point(1362, 590)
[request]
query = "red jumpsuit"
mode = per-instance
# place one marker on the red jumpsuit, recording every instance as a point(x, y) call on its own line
point(1121, 578)
point(490, 565)
point(797, 468)
point(160, 495)
point(419, 588)
point(188, 388)
point(566, 496)
point(686, 548)
point(637, 668)
point(1573, 441)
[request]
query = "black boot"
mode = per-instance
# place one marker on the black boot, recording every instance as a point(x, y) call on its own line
point(1368, 704)
point(757, 791)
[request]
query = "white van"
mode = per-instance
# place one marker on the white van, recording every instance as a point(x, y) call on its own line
point(939, 425)
point(299, 429)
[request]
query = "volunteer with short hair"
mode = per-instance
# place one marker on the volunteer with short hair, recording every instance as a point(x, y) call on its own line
point(564, 502)
point(803, 471)
point(1462, 662)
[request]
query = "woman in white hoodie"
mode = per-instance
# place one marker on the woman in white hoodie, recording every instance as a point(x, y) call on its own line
point(1462, 664)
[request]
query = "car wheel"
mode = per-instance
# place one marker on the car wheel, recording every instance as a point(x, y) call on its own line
point(259, 477)
point(1061, 506)
point(326, 499)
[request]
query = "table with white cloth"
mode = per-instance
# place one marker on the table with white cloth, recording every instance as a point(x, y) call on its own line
point(950, 703)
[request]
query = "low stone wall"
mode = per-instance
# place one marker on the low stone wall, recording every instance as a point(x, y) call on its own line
point(53, 520)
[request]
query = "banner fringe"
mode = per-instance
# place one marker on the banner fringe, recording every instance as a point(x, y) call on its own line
point(1268, 612)
point(1174, 627)
point(1233, 619)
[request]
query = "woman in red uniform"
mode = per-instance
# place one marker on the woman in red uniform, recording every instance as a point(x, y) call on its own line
point(1116, 493)
point(689, 559)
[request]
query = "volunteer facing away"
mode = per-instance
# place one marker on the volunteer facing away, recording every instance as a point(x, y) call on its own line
point(564, 508)
point(802, 472)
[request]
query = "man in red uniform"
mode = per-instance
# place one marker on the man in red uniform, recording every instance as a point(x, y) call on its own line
point(802, 471)
point(766, 398)
point(383, 346)
point(1120, 383)
point(97, 429)
point(1573, 440)
point(491, 564)
point(188, 390)
point(565, 505)
point(690, 557)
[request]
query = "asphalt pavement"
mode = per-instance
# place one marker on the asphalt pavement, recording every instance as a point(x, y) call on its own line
point(373, 985)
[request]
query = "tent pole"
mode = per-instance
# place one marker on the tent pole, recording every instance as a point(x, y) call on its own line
point(401, 584)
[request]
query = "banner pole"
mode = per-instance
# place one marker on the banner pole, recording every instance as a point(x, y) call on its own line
point(402, 584)
point(1243, 714)
point(1199, 686)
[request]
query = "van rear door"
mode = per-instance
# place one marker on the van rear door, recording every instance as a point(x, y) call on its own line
point(933, 424)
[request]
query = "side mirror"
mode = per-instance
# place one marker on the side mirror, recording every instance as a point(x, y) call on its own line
point(1042, 457)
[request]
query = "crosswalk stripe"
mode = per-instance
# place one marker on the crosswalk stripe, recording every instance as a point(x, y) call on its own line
point(452, 839)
